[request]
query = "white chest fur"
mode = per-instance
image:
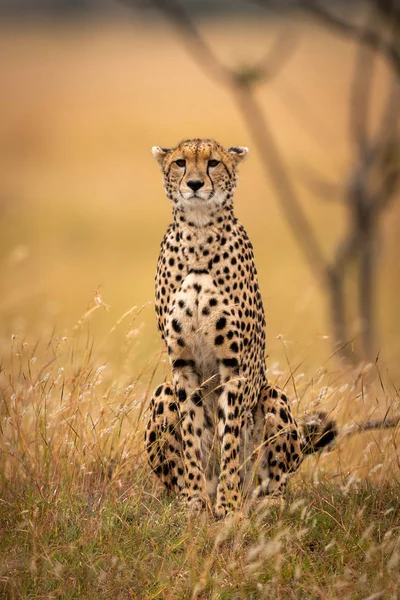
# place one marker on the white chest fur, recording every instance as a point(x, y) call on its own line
point(189, 303)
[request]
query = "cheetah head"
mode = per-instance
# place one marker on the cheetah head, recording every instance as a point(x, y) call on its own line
point(199, 175)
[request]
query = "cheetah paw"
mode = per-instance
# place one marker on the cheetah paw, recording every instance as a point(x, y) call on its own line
point(196, 504)
point(221, 511)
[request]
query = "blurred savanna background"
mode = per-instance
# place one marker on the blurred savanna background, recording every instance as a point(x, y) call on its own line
point(87, 88)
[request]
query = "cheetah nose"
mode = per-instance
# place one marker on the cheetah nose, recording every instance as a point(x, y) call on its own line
point(195, 184)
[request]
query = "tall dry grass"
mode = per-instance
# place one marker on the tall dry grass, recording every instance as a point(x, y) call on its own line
point(82, 515)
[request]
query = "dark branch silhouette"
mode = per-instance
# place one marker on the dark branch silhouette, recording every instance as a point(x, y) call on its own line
point(372, 425)
point(361, 34)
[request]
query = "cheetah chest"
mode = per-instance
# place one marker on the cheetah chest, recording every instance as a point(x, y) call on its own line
point(195, 309)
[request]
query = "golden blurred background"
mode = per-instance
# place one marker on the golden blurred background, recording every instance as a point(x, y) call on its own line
point(82, 206)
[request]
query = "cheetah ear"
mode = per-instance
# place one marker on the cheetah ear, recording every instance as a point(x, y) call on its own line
point(159, 153)
point(238, 153)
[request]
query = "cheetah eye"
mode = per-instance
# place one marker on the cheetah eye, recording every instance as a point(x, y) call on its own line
point(213, 163)
point(181, 162)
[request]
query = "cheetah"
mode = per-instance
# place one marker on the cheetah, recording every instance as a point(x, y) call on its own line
point(218, 431)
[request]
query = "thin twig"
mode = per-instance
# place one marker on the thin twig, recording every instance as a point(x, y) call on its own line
point(373, 425)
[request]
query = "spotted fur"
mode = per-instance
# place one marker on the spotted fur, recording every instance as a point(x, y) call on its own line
point(218, 428)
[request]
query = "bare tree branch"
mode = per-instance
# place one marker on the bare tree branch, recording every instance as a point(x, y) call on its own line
point(336, 297)
point(366, 296)
point(360, 95)
point(365, 36)
point(276, 57)
point(275, 167)
point(193, 42)
point(373, 425)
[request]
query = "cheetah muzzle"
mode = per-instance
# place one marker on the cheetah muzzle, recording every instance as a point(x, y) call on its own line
point(217, 431)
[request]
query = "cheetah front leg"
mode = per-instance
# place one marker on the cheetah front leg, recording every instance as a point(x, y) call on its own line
point(229, 419)
point(163, 441)
point(276, 442)
point(190, 408)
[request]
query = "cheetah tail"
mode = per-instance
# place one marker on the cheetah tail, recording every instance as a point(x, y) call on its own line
point(318, 432)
